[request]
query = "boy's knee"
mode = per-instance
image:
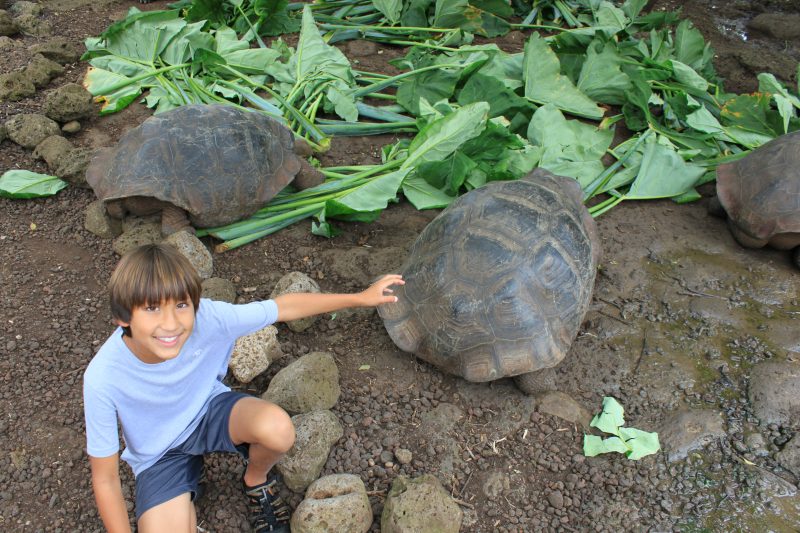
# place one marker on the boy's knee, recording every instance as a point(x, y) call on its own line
point(275, 429)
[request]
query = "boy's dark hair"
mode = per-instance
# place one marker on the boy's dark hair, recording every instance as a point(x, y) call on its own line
point(149, 275)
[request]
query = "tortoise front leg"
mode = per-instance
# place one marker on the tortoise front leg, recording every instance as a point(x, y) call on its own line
point(308, 176)
point(173, 220)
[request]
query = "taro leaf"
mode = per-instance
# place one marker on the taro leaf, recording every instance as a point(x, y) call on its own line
point(663, 173)
point(752, 112)
point(415, 14)
point(701, 119)
point(146, 39)
point(501, 99)
point(632, 8)
point(181, 47)
point(594, 445)
point(26, 184)
point(609, 19)
point(691, 49)
point(98, 81)
point(444, 136)
point(786, 102)
point(460, 14)
point(611, 418)
point(133, 16)
point(227, 41)
point(366, 202)
point(273, 17)
point(570, 147)
point(211, 10)
point(448, 174)
point(495, 7)
point(391, 9)
point(423, 195)
point(641, 443)
point(601, 78)
point(545, 84)
point(687, 76)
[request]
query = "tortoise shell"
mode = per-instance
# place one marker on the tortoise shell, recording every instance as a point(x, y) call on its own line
point(761, 193)
point(498, 284)
point(217, 162)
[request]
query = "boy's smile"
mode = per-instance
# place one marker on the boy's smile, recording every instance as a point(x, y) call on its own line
point(158, 332)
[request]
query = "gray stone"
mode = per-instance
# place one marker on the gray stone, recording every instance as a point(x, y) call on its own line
point(334, 503)
point(41, 70)
point(7, 44)
point(440, 419)
point(33, 25)
point(137, 236)
point(68, 102)
point(23, 7)
point(28, 130)
point(71, 167)
point(315, 434)
point(7, 25)
point(783, 26)
point(775, 393)
point(297, 282)
point(419, 505)
point(15, 86)
point(252, 354)
point(309, 384)
point(556, 499)
point(558, 404)
point(688, 430)
point(220, 289)
point(789, 456)
point(73, 126)
point(403, 456)
point(194, 250)
point(97, 221)
point(59, 49)
point(52, 149)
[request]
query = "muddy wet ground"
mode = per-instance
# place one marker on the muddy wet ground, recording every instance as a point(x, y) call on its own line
point(681, 315)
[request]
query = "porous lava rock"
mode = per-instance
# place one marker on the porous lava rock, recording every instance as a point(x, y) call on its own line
point(29, 129)
point(252, 354)
point(297, 282)
point(337, 502)
point(68, 102)
point(41, 70)
point(15, 86)
point(419, 504)
point(220, 289)
point(315, 433)
point(194, 250)
point(309, 384)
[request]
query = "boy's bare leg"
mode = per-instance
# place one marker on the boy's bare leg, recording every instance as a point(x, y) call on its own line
point(269, 431)
point(173, 516)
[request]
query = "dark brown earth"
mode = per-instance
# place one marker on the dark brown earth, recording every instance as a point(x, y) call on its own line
point(680, 315)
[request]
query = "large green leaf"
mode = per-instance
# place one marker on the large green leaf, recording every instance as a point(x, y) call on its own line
point(570, 147)
point(545, 84)
point(444, 136)
point(752, 113)
point(448, 174)
point(391, 9)
point(601, 78)
point(371, 197)
point(686, 75)
point(26, 184)
point(423, 195)
point(785, 101)
point(460, 14)
point(663, 173)
point(502, 100)
point(691, 49)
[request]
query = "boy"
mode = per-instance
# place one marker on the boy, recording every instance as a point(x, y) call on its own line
point(160, 374)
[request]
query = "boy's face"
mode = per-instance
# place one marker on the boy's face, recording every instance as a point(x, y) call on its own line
point(158, 332)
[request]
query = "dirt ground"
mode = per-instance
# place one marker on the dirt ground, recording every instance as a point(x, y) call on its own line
point(680, 315)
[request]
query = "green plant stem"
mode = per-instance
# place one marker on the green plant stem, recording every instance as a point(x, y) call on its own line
point(602, 207)
point(379, 86)
point(136, 79)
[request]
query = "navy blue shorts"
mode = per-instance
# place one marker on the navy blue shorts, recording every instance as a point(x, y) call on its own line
point(179, 470)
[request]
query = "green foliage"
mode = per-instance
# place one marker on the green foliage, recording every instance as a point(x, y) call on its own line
point(634, 443)
point(26, 184)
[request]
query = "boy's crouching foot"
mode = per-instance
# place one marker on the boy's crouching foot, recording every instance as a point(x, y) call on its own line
point(268, 512)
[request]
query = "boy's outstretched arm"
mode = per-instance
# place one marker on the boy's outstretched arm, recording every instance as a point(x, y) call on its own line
point(292, 306)
point(108, 493)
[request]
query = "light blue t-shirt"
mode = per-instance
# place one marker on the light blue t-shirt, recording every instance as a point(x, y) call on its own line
point(159, 405)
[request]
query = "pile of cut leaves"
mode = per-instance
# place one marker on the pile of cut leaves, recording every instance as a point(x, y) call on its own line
point(478, 113)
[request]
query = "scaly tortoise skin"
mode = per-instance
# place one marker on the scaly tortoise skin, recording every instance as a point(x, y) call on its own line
point(498, 284)
point(218, 163)
point(761, 195)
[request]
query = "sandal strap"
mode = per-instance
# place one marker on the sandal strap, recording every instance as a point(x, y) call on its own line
point(268, 512)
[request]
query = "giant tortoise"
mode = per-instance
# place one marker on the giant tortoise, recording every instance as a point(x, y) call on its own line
point(761, 195)
point(216, 163)
point(498, 283)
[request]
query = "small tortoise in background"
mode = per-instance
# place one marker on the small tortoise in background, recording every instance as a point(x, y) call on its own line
point(216, 163)
point(761, 195)
point(498, 284)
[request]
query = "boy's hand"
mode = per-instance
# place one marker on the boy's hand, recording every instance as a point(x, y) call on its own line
point(379, 292)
